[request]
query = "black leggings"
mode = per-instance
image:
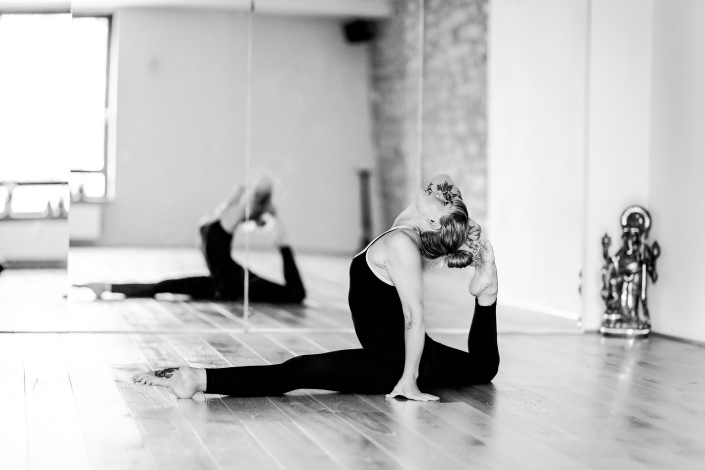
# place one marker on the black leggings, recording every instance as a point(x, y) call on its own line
point(227, 278)
point(369, 370)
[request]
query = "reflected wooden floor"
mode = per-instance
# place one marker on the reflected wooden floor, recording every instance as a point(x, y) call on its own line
point(448, 305)
point(559, 400)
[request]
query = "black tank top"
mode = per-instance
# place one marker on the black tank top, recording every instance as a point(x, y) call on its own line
point(375, 305)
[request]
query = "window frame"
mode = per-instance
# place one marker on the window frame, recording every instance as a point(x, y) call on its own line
point(8, 215)
point(108, 170)
point(108, 158)
point(10, 185)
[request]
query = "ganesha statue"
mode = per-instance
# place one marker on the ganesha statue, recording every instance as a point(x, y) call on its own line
point(624, 277)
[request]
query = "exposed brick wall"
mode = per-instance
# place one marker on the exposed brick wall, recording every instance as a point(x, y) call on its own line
point(454, 103)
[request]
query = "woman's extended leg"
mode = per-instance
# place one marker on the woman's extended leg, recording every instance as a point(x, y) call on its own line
point(350, 370)
point(199, 287)
point(442, 365)
point(225, 282)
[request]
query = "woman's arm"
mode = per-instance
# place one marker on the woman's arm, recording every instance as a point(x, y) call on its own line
point(403, 263)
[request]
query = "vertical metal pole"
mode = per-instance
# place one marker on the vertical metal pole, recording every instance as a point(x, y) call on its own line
point(248, 145)
point(419, 97)
point(585, 276)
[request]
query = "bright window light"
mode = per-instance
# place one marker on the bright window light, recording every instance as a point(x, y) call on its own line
point(38, 199)
point(89, 56)
point(35, 105)
point(53, 98)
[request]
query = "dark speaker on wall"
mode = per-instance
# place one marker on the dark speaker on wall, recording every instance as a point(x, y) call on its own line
point(360, 31)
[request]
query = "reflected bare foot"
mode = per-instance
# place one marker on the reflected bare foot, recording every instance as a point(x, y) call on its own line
point(97, 287)
point(184, 381)
point(232, 200)
point(261, 199)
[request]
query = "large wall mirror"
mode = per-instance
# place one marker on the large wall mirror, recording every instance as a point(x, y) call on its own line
point(175, 120)
point(313, 142)
point(279, 142)
point(241, 132)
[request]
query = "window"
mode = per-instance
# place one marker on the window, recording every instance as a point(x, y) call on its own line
point(90, 178)
point(53, 99)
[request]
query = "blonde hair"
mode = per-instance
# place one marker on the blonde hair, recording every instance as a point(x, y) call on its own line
point(447, 241)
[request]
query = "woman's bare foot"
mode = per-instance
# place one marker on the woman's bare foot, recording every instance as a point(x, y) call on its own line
point(233, 215)
point(230, 203)
point(261, 200)
point(184, 381)
point(484, 284)
point(97, 287)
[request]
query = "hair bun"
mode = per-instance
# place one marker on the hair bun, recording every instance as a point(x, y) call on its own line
point(459, 259)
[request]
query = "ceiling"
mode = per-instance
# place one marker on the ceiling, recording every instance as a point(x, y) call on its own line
point(334, 8)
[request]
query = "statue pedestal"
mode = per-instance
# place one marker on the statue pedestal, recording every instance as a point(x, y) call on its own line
point(615, 332)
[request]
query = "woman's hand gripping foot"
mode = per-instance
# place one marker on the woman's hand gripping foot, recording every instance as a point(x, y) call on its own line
point(484, 284)
point(184, 381)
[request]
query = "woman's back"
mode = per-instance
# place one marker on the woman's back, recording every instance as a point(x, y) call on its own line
point(375, 304)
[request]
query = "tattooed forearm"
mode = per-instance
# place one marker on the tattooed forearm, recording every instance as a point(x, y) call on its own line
point(166, 372)
point(409, 324)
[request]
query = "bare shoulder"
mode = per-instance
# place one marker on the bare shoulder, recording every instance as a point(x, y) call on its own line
point(402, 244)
point(402, 260)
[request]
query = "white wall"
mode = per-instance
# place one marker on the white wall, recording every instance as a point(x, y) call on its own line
point(536, 114)
point(85, 222)
point(35, 242)
point(181, 124)
point(618, 132)
point(677, 167)
point(312, 127)
point(645, 70)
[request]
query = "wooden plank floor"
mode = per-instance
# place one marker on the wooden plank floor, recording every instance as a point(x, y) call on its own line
point(559, 400)
point(575, 401)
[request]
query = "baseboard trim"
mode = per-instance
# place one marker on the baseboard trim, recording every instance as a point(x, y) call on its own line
point(694, 342)
point(678, 339)
point(82, 243)
point(556, 312)
point(57, 264)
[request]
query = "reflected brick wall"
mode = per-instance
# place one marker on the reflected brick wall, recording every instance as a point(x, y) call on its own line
point(454, 103)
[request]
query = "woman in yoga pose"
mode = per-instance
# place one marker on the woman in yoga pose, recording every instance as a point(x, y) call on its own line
point(385, 297)
point(226, 280)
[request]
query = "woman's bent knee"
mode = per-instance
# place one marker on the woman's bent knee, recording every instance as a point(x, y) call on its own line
point(490, 372)
point(485, 373)
point(299, 296)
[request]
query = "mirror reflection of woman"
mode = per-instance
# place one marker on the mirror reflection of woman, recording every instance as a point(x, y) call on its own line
point(397, 357)
point(226, 277)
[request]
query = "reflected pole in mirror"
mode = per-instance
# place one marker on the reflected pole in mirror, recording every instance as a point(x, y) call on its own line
point(248, 146)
